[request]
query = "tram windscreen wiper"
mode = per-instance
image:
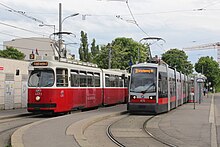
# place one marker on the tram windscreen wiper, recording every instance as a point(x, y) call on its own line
point(149, 88)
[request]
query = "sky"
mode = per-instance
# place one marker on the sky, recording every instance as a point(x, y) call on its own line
point(180, 23)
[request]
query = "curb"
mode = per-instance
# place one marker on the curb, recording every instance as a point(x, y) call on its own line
point(17, 141)
point(77, 129)
point(16, 137)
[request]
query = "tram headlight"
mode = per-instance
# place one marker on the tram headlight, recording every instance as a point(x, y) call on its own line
point(133, 97)
point(152, 97)
point(37, 98)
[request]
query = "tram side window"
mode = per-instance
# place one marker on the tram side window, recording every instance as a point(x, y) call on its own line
point(117, 84)
point(107, 81)
point(163, 85)
point(184, 86)
point(74, 79)
point(120, 82)
point(83, 79)
point(90, 80)
point(126, 80)
point(172, 87)
point(113, 81)
point(97, 79)
point(62, 77)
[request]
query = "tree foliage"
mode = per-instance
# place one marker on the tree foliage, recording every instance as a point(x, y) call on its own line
point(84, 54)
point(12, 53)
point(178, 59)
point(94, 51)
point(123, 52)
point(210, 68)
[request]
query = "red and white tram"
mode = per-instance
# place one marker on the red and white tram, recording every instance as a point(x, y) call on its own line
point(60, 87)
point(156, 88)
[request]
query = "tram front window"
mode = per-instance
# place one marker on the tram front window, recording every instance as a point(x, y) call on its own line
point(143, 80)
point(41, 78)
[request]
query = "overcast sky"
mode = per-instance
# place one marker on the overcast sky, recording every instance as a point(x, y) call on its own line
point(181, 23)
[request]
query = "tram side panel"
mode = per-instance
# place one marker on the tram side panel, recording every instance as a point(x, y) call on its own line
point(162, 89)
point(114, 91)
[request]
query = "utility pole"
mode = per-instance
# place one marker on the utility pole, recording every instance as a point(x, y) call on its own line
point(60, 28)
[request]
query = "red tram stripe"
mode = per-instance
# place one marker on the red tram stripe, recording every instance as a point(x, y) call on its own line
point(162, 100)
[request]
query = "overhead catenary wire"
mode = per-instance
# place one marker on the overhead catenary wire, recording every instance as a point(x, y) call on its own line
point(21, 13)
point(23, 29)
point(135, 19)
point(135, 22)
point(212, 4)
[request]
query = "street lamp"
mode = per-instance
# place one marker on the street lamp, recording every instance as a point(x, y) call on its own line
point(60, 24)
point(72, 15)
point(148, 38)
point(54, 27)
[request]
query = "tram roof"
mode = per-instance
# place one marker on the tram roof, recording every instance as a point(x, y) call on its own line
point(61, 64)
point(82, 66)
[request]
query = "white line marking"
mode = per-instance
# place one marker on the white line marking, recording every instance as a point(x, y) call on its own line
point(213, 125)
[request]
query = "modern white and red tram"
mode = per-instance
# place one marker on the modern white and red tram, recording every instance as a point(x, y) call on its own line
point(61, 87)
point(156, 88)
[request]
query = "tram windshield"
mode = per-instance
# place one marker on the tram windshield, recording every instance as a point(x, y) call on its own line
point(41, 78)
point(143, 80)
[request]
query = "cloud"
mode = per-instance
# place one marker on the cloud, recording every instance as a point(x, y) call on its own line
point(176, 21)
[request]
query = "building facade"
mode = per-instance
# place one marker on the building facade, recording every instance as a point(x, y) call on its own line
point(13, 83)
point(33, 45)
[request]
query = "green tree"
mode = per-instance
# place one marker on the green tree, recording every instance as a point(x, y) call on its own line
point(178, 59)
point(84, 54)
point(210, 68)
point(94, 51)
point(123, 51)
point(12, 53)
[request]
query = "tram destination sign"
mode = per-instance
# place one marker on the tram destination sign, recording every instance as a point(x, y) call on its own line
point(144, 70)
point(39, 64)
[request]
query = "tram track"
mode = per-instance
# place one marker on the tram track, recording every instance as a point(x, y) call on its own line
point(155, 137)
point(10, 124)
point(17, 117)
point(121, 141)
point(111, 136)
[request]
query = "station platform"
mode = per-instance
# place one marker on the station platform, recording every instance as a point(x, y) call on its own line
point(188, 125)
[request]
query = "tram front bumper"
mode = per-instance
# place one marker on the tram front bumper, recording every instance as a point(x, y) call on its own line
point(142, 107)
